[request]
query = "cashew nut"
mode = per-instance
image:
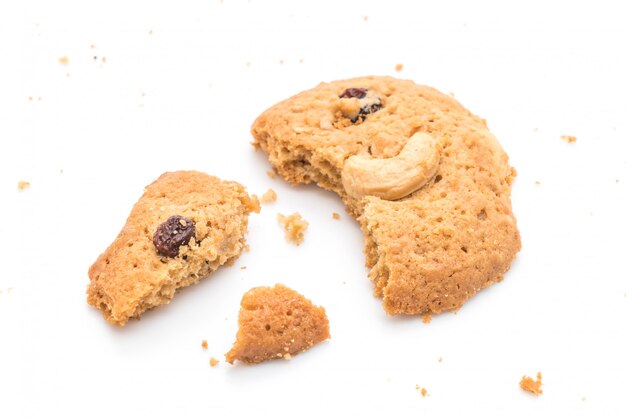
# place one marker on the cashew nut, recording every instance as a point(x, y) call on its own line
point(396, 177)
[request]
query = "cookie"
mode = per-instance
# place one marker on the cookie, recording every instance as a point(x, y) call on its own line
point(427, 181)
point(276, 322)
point(185, 226)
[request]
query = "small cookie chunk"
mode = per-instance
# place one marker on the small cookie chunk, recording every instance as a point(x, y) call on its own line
point(427, 181)
point(294, 227)
point(276, 322)
point(530, 385)
point(269, 196)
point(185, 226)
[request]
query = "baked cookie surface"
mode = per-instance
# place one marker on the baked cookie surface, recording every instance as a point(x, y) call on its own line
point(185, 226)
point(276, 322)
point(427, 181)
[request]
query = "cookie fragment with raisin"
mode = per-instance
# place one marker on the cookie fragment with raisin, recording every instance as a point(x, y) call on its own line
point(184, 227)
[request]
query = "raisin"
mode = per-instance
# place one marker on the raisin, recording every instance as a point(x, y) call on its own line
point(357, 92)
point(367, 107)
point(173, 233)
point(370, 108)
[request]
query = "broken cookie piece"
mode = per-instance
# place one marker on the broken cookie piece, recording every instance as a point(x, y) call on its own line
point(276, 322)
point(185, 226)
point(428, 183)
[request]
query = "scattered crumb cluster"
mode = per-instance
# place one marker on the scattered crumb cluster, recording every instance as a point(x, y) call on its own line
point(269, 196)
point(530, 385)
point(294, 227)
point(568, 138)
point(422, 391)
point(213, 361)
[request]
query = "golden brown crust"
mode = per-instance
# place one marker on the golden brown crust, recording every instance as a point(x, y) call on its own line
point(130, 277)
point(432, 250)
point(276, 322)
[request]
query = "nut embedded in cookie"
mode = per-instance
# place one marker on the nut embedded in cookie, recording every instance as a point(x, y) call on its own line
point(185, 226)
point(396, 177)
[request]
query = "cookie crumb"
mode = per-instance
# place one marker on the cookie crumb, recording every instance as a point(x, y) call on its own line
point(294, 227)
point(336, 215)
point(440, 359)
point(584, 398)
point(271, 174)
point(64, 60)
point(537, 182)
point(213, 362)
point(281, 62)
point(422, 391)
point(22, 185)
point(365, 18)
point(205, 345)
point(569, 138)
point(243, 267)
point(30, 98)
point(104, 60)
point(426, 318)
point(92, 46)
point(531, 386)
point(269, 196)
point(150, 32)
point(399, 67)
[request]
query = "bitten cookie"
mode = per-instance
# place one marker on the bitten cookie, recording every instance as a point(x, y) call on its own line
point(276, 322)
point(427, 181)
point(185, 226)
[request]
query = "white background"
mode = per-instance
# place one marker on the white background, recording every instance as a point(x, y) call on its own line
point(180, 86)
